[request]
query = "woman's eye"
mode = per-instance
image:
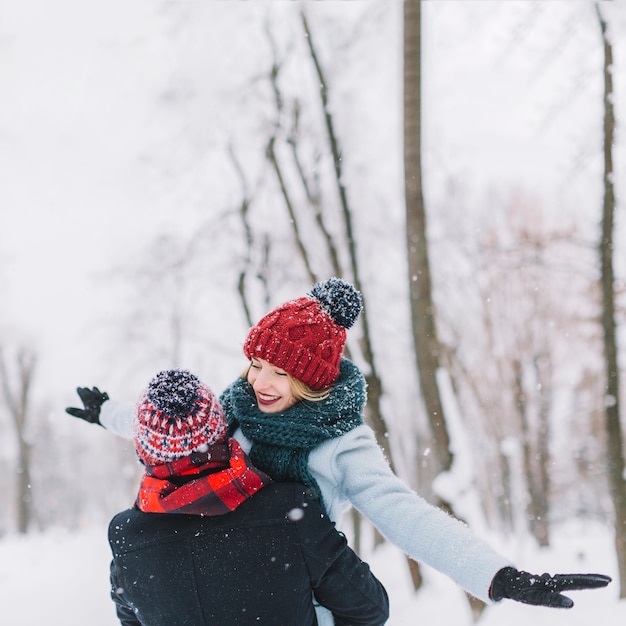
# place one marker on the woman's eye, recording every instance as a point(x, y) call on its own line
point(256, 366)
point(281, 373)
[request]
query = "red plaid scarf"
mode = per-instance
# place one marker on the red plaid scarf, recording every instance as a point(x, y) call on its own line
point(204, 483)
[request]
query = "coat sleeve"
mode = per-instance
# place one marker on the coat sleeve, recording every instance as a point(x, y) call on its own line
point(423, 531)
point(117, 418)
point(340, 580)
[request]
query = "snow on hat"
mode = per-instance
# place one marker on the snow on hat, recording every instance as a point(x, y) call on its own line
point(175, 416)
point(306, 336)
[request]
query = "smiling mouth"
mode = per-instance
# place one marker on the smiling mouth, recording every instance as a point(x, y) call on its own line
point(265, 399)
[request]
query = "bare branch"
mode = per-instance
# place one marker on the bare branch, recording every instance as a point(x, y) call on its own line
point(314, 199)
point(373, 379)
point(271, 155)
point(243, 211)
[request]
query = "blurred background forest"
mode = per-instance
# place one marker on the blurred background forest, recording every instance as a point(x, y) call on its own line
point(173, 170)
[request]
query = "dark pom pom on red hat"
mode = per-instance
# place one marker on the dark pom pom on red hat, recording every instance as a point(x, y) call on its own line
point(339, 299)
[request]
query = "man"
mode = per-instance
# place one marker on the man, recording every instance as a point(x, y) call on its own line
point(211, 540)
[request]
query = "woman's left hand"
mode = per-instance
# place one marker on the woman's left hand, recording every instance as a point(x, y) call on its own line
point(544, 590)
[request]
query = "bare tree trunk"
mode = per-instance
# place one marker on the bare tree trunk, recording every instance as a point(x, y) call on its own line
point(615, 453)
point(541, 520)
point(422, 320)
point(260, 269)
point(425, 340)
point(537, 503)
point(243, 210)
point(375, 387)
point(17, 402)
point(271, 155)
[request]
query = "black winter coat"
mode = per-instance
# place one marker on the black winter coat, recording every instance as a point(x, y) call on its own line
point(255, 566)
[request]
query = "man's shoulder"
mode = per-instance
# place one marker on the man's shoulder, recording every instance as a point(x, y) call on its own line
point(284, 491)
point(275, 504)
point(278, 500)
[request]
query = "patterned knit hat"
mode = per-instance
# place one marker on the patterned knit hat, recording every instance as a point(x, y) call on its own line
point(176, 415)
point(306, 336)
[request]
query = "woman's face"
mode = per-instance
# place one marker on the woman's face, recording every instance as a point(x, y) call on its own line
point(271, 387)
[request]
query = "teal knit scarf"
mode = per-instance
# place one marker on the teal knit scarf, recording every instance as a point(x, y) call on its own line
point(282, 442)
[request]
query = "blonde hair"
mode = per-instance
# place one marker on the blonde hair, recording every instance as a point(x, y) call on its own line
point(301, 391)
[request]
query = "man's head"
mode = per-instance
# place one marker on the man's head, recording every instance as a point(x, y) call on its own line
point(175, 416)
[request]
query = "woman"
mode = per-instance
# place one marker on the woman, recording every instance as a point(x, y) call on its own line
point(297, 411)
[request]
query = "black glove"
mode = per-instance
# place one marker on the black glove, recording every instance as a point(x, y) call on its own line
point(544, 590)
point(92, 399)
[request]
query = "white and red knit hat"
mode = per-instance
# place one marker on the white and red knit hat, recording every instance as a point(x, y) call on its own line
point(175, 416)
point(306, 336)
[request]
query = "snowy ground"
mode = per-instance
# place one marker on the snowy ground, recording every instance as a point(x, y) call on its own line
point(62, 578)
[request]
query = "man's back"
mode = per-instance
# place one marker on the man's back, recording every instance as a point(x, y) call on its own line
point(254, 566)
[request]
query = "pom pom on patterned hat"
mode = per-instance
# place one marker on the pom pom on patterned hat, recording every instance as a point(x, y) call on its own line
point(175, 416)
point(306, 337)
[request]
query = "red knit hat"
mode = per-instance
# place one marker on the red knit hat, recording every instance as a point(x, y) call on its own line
point(306, 336)
point(177, 415)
